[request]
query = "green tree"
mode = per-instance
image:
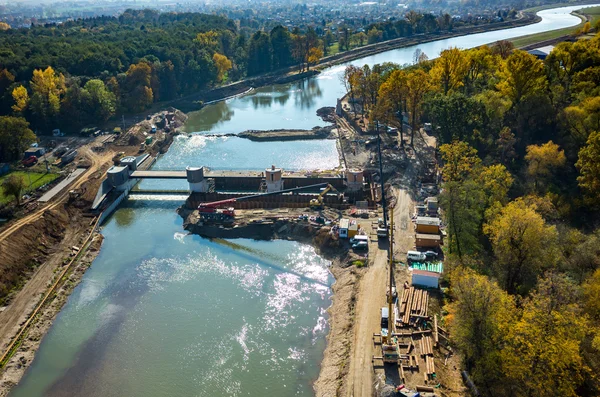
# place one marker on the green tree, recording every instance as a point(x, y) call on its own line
point(102, 101)
point(13, 186)
point(15, 137)
point(589, 166)
point(281, 44)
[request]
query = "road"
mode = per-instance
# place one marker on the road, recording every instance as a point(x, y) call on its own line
point(371, 298)
point(96, 161)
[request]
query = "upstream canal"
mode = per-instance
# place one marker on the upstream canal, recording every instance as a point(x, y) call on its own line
point(161, 313)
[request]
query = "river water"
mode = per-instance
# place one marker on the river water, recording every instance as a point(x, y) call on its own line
point(162, 313)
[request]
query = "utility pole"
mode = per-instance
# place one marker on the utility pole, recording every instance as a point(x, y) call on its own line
point(381, 176)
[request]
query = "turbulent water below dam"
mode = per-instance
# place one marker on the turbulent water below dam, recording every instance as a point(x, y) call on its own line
point(163, 313)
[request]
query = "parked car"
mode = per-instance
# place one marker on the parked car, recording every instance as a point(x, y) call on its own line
point(431, 255)
point(360, 246)
point(29, 161)
point(415, 256)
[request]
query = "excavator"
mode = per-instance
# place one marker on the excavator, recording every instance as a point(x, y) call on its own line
point(317, 203)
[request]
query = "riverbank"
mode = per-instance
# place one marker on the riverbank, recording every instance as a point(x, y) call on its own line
point(199, 99)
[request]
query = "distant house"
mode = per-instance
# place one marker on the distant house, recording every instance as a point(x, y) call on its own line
point(542, 52)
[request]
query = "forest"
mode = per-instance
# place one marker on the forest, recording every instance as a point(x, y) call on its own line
point(82, 73)
point(519, 152)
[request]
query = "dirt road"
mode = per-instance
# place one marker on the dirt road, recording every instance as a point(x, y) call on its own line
point(27, 298)
point(371, 298)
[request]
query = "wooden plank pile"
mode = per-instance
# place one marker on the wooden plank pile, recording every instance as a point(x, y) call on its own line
point(413, 306)
point(426, 349)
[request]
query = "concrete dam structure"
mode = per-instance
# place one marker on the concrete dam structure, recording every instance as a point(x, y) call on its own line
point(213, 185)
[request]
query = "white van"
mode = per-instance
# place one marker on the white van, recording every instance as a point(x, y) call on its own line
point(415, 256)
point(359, 237)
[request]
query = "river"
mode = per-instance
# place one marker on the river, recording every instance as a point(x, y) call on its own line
point(162, 313)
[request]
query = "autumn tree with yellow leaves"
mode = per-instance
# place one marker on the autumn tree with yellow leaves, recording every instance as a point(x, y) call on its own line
point(47, 89)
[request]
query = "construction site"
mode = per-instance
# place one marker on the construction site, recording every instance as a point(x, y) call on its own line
point(376, 218)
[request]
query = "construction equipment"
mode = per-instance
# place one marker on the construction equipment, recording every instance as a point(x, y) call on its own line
point(317, 203)
point(222, 211)
point(390, 352)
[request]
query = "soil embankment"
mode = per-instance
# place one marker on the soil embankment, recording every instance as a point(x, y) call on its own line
point(288, 135)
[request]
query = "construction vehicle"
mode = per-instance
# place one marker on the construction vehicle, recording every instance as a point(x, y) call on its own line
point(317, 203)
point(388, 340)
point(222, 210)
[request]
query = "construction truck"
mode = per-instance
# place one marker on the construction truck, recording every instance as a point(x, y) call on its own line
point(317, 203)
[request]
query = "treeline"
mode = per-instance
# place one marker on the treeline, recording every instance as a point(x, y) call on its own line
point(83, 72)
point(520, 152)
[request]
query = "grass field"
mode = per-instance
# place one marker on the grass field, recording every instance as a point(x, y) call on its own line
point(593, 12)
point(37, 179)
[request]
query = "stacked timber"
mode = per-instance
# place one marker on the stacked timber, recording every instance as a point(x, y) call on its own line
point(413, 306)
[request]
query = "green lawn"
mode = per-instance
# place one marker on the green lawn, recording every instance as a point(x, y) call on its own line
point(333, 49)
point(594, 12)
point(37, 179)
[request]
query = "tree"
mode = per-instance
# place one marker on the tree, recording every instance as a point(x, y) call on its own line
point(391, 100)
point(522, 244)
point(505, 145)
point(521, 75)
point(102, 101)
point(259, 54)
point(21, 98)
point(496, 182)
point(463, 202)
point(541, 354)
point(589, 166)
point(374, 35)
point(4, 26)
point(503, 48)
point(47, 88)
point(583, 118)
point(542, 160)
point(15, 137)
point(314, 55)
point(13, 186)
point(208, 39)
point(418, 85)
point(138, 94)
point(586, 27)
point(455, 116)
point(281, 43)
point(480, 316)
point(223, 65)
point(459, 161)
point(591, 291)
point(449, 70)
